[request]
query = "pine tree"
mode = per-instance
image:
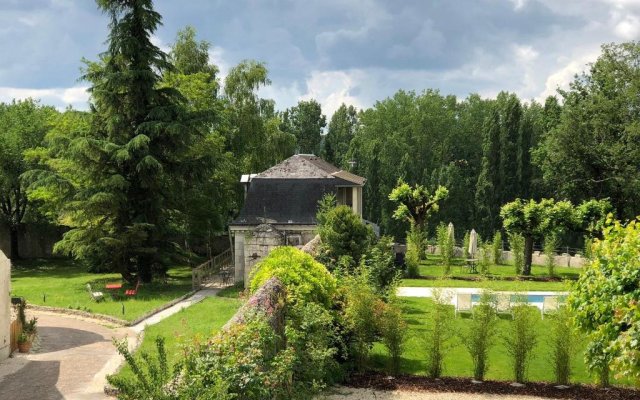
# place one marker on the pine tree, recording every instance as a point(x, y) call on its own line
point(121, 212)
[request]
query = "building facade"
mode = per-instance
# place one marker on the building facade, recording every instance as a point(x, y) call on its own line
point(281, 205)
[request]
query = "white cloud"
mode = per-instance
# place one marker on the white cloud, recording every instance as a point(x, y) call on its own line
point(563, 76)
point(59, 97)
point(332, 88)
point(628, 28)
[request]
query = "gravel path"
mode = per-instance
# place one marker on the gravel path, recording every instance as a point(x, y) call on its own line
point(343, 393)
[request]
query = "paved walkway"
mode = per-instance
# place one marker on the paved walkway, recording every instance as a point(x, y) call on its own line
point(73, 356)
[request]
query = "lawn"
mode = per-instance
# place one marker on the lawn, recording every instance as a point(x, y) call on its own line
point(457, 360)
point(197, 322)
point(500, 277)
point(62, 283)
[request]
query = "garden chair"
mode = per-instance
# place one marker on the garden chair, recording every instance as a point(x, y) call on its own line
point(96, 296)
point(463, 303)
point(503, 304)
point(550, 304)
point(134, 291)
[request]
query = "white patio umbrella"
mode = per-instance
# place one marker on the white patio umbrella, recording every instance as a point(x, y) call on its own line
point(473, 243)
point(451, 233)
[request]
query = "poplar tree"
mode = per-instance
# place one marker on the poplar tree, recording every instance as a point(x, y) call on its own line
point(341, 130)
point(487, 197)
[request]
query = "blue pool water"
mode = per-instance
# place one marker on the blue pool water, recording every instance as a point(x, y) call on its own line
point(531, 298)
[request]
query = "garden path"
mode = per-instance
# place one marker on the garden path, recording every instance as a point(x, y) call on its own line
point(74, 355)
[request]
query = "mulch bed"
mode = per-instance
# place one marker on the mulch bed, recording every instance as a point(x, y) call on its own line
point(379, 381)
point(500, 278)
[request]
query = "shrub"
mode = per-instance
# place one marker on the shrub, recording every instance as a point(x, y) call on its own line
point(445, 244)
point(305, 278)
point(149, 376)
point(496, 248)
point(485, 257)
point(311, 335)
point(393, 330)
point(361, 313)
point(417, 242)
point(550, 244)
point(381, 269)
point(480, 336)
point(246, 357)
point(516, 243)
point(343, 233)
point(563, 344)
point(520, 339)
point(439, 333)
point(465, 245)
point(412, 257)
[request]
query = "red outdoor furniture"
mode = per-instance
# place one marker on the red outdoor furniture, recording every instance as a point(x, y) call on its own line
point(113, 286)
point(132, 292)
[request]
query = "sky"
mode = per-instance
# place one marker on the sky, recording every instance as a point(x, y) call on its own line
point(335, 51)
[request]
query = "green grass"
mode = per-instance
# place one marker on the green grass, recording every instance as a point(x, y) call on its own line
point(457, 360)
point(194, 323)
point(500, 277)
point(62, 283)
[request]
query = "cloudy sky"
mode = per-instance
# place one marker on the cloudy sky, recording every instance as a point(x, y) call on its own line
point(353, 51)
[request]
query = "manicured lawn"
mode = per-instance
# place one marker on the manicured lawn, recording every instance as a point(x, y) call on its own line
point(62, 283)
point(197, 322)
point(457, 360)
point(500, 277)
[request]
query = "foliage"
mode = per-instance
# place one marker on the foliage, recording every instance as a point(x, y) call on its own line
point(246, 357)
point(23, 128)
point(305, 121)
point(480, 334)
point(341, 130)
point(605, 301)
point(535, 219)
point(31, 327)
point(343, 233)
point(149, 376)
point(563, 345)
point(306, 280)
point(550, 245)
point(486, 256)
point(361, 315)
point(521, 339)
point(412, 258)
point(496, 248)
point(466, 240)
point(445, 244)
point(592, 150)
point(311, 335)
point(379, 262)
point(516, 243)
point(393, 332)
point(439, 333)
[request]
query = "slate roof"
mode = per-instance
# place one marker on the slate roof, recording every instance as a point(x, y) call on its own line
point(288, 193)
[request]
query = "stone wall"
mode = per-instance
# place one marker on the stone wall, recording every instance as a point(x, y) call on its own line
point(538, 258)
point(34, 241)
point(5, 312)
point(251, 244)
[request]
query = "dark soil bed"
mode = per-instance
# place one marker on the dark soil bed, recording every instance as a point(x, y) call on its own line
point(375, 380)
point(500, 278)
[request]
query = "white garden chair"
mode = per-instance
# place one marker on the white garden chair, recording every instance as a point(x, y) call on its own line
point(463, 303)
point(550, 304)
point(96, 296)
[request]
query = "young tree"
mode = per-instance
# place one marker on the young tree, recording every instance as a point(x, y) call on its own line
point(521, 338)
point(533, 220)
point(439, 333)
point(305, 121)
point(23, 126)
point(481, 333)
point(344, 234)
point(415, 204)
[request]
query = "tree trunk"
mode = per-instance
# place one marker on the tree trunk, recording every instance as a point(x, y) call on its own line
point(528, 255)
point(15, 248)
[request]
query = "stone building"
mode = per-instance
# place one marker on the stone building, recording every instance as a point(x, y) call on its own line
point(5, 311)
point(281, 205)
